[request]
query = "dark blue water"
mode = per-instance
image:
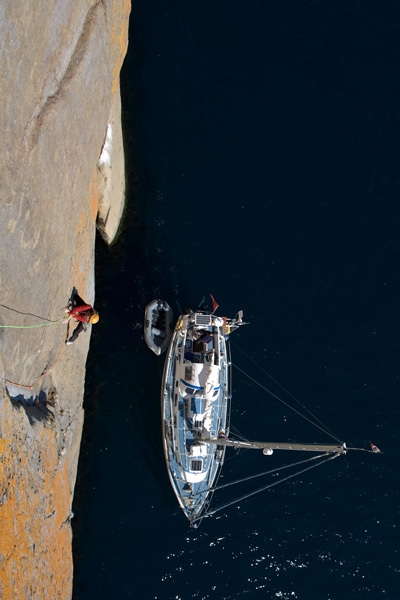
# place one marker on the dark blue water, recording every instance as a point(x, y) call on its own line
point(263, 166)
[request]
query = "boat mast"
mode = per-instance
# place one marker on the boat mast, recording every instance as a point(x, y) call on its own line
point(269, 447)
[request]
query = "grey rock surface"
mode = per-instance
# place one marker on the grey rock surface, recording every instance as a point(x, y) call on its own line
point(60, 64)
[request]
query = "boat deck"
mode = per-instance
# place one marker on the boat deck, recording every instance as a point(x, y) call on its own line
point(195, 400)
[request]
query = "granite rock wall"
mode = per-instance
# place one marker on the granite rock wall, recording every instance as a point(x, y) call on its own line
point(62, 178)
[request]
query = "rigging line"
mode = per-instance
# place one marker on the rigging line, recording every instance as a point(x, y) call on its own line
point(325, 430)
point(212, 512)
point(180, 310)
point(275, 470)
point(235, 431)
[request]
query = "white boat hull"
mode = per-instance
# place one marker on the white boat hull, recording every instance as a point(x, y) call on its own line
point(195, 406)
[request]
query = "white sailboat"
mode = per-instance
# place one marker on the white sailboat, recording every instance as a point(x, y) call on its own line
point(196, 395)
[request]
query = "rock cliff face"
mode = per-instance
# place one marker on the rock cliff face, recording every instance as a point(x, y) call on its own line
point(62, 174)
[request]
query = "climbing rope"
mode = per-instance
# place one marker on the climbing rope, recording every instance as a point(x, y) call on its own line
point(30, 326)
point(46, 371)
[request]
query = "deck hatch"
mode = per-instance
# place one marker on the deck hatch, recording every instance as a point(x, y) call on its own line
point(203, 319)
point(196, 465)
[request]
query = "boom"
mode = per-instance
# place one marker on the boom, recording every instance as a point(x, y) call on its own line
point(269, 447)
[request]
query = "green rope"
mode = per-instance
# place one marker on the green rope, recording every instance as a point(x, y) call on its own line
point(30, 326)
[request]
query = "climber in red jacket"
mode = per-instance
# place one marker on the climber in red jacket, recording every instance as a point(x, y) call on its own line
point(81, 312)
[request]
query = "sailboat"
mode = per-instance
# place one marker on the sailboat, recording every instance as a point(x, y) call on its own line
point(196, 397)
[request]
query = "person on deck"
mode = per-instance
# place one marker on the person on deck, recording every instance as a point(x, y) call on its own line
point(81, 312)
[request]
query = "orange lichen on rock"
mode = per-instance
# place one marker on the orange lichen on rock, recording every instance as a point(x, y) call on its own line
point(60, 86)
point(35, 531)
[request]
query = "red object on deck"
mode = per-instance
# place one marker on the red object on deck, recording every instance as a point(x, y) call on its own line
point(214, 303)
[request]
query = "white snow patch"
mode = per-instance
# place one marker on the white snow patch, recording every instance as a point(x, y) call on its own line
point(105, 156)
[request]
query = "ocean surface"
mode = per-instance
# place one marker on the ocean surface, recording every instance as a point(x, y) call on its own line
point(263, 166)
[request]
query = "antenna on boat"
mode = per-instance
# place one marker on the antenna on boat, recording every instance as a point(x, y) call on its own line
point(179, 306)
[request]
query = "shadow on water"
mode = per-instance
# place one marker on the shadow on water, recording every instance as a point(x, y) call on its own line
point(121, 433)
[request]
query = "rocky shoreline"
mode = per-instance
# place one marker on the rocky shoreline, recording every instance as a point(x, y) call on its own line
point(62, 174)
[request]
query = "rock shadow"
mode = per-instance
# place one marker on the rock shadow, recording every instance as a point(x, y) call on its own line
point(37, 407)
